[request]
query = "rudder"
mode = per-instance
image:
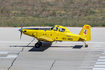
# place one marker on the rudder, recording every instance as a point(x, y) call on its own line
point(86, 32)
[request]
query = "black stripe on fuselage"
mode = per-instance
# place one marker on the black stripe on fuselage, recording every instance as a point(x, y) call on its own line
point(37, 28)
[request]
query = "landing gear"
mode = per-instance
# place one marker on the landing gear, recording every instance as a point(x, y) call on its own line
point(38, 44)
point(85, 44)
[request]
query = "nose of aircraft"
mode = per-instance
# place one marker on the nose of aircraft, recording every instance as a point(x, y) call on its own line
point(20, 30)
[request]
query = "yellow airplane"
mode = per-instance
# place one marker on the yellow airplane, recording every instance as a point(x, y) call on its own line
point(57, 33)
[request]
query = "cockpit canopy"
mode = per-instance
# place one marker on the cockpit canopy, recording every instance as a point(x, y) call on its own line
point(60, 29)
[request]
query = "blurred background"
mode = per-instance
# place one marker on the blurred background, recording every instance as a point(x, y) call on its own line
point(16, 13)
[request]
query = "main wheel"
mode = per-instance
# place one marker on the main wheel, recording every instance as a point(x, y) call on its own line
point(37, 45)
point(86, 45)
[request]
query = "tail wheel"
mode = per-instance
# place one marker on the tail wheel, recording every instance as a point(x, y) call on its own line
point(86, 45)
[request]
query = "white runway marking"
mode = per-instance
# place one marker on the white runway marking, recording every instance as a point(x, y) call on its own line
point(101, 60)
point(8, 54)
point(11, 56)
point(102, 57)
point(102, 53)
point(98, 68)
point(99, 65)
point(3, 52)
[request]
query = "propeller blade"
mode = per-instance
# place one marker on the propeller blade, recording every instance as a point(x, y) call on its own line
point(20, 35)
point(20, 32)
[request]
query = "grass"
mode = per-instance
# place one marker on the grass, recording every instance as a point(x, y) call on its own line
point(16, 13)
point(32, 21)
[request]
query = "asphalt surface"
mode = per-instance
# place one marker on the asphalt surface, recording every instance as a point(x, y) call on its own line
point(16, 54)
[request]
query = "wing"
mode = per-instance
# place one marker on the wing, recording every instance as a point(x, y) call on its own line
point(46, 39)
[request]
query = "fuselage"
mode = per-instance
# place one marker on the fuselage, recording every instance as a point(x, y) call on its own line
point(57, 33)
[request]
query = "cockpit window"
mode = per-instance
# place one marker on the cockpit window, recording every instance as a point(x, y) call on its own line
point(61, 30)
point(52, 28)
point(56, 29)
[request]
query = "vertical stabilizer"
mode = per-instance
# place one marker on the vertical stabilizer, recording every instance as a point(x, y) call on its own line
point(86, 32)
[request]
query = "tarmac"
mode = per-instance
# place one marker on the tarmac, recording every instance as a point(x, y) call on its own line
point(16, 54)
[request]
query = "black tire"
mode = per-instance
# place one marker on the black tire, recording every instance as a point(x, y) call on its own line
point(37, 45)
point(86, 45)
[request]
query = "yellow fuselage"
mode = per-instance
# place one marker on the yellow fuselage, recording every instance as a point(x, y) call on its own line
point(52, 35)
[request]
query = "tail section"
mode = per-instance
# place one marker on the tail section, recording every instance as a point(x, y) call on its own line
point(86, 32)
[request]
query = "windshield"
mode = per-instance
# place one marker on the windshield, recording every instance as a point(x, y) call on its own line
point(56, 29)
point(52, 28)
point(61, 30)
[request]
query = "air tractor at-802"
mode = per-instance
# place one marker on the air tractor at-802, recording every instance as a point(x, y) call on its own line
point(57, 33)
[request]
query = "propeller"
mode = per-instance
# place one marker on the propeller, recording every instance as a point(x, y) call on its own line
point(20, 32)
